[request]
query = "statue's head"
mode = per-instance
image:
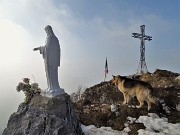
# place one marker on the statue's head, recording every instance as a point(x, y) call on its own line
point(49, 30)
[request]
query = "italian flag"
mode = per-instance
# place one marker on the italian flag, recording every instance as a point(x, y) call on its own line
point(106, 68)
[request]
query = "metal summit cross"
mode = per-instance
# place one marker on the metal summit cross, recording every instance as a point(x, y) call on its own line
point(142, 68)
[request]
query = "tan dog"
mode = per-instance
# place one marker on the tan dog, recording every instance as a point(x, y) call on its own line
point(130, 88)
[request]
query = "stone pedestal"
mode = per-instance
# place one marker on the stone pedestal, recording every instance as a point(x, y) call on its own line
point(44, 116)
point(52, 93)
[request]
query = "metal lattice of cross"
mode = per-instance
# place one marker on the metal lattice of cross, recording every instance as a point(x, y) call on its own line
point(142, 68)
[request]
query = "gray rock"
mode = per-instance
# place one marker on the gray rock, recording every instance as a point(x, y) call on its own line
point(44, 116)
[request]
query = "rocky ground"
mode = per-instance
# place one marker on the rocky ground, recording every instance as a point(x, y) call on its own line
point(95, 104)
point(44, 116)
point(100, 105)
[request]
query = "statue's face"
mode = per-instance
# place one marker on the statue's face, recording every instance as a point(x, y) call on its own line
point(49, 30)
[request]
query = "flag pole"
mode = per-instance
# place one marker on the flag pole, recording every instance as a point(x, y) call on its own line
point(106, 69)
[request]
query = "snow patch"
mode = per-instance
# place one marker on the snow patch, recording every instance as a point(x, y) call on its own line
point(153, 123)
point(178, 95)
point(153, 115)
point(178, 107)
point(165, 107)
point(157, 126)
point(126, 129)
point(130, 119)
point(113, 108)
point(131, 106)
point(92, 130)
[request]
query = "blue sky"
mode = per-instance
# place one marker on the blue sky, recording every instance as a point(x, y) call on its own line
point(88, 31)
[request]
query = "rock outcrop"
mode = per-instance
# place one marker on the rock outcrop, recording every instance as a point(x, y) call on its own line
point(44, 116)
point(94, 107)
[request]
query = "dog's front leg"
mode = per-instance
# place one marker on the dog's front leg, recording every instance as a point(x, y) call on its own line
point(125, 99)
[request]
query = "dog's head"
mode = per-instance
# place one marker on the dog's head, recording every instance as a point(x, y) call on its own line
point(116, 79)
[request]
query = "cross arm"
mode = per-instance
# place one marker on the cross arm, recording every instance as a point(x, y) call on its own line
point(136, 35)
point(147, 38)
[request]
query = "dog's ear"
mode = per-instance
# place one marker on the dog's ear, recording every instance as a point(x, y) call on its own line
point(113, 76)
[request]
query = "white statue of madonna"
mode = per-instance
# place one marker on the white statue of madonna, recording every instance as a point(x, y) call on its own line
point(51, 53)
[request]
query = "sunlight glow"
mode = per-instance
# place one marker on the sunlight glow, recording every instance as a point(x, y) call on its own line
point(12, 40)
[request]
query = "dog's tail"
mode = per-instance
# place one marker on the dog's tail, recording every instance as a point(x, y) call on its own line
point(159, 107)
point(151, 97)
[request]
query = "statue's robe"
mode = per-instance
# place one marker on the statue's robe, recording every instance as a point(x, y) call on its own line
point(51, 55)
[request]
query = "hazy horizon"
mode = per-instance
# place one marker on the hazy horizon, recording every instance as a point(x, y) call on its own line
point(88, 32)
